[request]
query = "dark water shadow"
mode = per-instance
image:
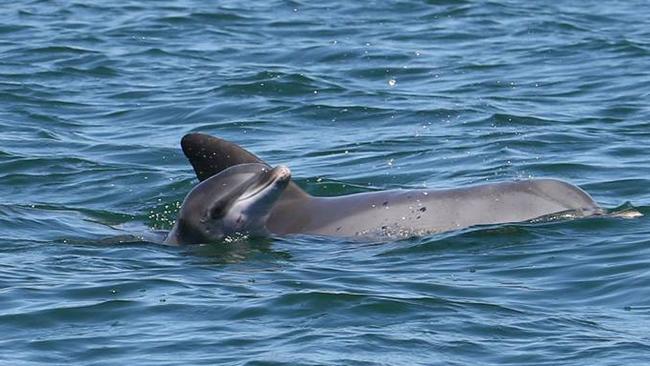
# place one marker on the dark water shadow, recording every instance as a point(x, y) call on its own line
point(236, 250)
point(231, 250)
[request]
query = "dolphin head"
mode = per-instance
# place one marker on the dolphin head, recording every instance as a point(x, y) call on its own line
point(239, 199)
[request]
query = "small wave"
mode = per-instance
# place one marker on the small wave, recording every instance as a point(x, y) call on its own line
point(276, 84)
point(61, 50)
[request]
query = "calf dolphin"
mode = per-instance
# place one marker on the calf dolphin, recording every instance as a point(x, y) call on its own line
point(237, 200)
point(250, 197)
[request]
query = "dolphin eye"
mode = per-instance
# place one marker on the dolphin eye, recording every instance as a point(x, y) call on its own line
point(217, 211)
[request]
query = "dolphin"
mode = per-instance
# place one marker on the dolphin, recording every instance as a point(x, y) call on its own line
point(236, 200)
point(240, 193)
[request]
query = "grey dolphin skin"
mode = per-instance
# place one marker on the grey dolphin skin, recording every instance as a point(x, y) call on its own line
point(239, 193)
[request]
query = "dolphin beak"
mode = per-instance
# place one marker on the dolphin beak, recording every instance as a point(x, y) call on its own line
point(276, 179)
point(281, 173)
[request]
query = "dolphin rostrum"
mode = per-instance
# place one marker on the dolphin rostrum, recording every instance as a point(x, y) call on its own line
point(239, 193)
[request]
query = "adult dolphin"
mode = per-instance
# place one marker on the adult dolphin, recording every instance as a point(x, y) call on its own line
point(239, 185)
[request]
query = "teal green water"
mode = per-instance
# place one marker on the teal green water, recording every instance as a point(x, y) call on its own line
point(95, 97)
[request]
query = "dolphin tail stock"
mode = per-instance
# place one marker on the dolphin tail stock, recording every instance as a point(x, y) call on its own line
point(630, 214)
point(624, 211)
point(210, 155)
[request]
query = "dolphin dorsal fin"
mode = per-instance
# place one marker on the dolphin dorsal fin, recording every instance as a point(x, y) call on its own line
point(210, 155)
